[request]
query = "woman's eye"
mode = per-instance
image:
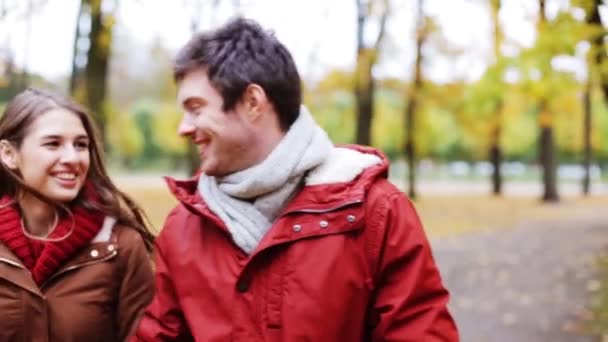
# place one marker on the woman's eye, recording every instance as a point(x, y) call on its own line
point(82, 145)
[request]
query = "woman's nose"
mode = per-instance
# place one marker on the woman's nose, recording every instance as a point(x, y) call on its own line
point(69, 154)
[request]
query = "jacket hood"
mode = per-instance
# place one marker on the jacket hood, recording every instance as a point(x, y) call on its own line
point(344, 176)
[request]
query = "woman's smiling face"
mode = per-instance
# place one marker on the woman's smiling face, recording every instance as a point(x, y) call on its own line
point(54, 156)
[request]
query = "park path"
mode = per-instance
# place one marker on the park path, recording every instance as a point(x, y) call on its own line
point(528, 283)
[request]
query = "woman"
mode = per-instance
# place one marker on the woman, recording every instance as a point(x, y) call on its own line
point(73, 249)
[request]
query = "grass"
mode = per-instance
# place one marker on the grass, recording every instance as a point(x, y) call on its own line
point(442, 215)
point(597, 324)
point(450, 215)
point(157, 202)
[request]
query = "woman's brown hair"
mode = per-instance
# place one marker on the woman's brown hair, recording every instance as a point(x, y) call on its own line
point(19, 115)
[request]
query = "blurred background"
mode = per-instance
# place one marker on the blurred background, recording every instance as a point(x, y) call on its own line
point(493, 113)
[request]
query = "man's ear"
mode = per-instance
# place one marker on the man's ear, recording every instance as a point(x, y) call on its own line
point(254, 101)
point(8, 155)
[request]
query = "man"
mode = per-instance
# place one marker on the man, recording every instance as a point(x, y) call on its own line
point(283, 237)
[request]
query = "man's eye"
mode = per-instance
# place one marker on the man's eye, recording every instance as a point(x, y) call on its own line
point(51, 143)
point(195, 107)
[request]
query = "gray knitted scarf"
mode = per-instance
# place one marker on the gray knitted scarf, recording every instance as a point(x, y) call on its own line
point(248, 201)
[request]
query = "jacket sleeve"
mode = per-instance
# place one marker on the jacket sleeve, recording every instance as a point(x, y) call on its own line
point(163, 319)
point(409, 302)
point(136, 284)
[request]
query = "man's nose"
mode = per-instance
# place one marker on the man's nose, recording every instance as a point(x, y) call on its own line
point(186, 126)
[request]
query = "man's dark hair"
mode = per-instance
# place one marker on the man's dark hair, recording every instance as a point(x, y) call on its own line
point(241, 53)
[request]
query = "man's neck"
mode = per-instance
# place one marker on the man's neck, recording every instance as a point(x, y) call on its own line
point(268, 138)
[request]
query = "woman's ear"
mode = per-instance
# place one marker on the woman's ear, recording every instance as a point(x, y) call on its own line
point(8, 155)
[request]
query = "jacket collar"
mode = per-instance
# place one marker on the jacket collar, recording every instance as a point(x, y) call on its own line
point(13, 270)
point(312, 198)
point(103, 248)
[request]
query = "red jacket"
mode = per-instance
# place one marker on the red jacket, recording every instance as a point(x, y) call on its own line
point(343, 262)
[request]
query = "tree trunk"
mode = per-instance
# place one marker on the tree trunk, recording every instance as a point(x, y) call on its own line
point(598, 44)
point(76, 70)
point(24, 77)
point(363, 80)
point(98, 58)
point(547, 140)
point(365, 85)
point(412, 106)
point(495, 154)
point(595, 60)
point(495, 150)
point(410, 151)
point(547, 157)
point(587, 138)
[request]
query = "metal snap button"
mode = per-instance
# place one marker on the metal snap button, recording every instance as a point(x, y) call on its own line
point(297, 227)
point(351, 218)
point(111, 248)
point(94, 253)
point(323, 224)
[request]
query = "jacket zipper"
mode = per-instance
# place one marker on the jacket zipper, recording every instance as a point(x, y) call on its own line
point(77, 266)
point(324, 210)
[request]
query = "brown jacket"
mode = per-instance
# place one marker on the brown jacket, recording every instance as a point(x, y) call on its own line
point(97, 295)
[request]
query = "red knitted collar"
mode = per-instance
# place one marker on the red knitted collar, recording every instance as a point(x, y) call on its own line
point(45, 258)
